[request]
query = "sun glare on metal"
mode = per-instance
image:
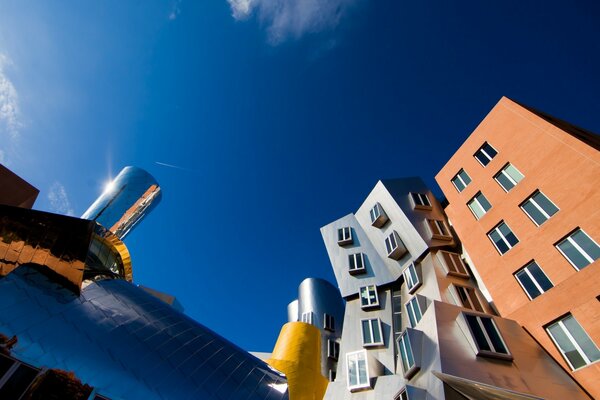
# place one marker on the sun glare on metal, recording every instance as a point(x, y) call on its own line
point(109, 186)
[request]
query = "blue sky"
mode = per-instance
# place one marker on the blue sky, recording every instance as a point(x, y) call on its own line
point(281, 116)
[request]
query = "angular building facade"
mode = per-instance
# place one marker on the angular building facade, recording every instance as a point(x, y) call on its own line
point(416, 325)
point(523, 193)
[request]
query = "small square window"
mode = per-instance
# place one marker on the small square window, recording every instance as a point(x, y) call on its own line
point(420, 200)
point(485, 154)
point(413, 310)
point(357, 370)
point(487, 337)
point(345, 236)
point(333, 349)
point(356, 263)
point(368, 296)
point(371, 332)
point(438, 229)
point(508, 177)
point(539, 208)
point(454, 264)
point(503, 238)
point(412, 277)
point(378, 216)
point(307, 317)
point(573, 342)
point(328, 322)
point(479, 205)
point(461, 180)
point(533, 280)
point(579, 249)
point(394, 246)
point(468, 298)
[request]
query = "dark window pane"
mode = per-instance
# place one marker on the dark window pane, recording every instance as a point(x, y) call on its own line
point(18, 382)
point(539, 276)
point(528, 284)
point(534, 213)
point(493, 335)
point(478, 333)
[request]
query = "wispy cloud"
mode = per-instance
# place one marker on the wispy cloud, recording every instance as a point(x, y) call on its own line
point(175, 166)
point(175, 10)
point(59, 200)
point(292, 18)
point(9, 101)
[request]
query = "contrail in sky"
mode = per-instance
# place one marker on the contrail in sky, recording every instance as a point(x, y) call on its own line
point(175, 166)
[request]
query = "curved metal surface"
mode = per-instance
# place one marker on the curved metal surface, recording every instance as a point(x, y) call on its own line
point(126, 200)
point(126, 343)
point(292, 311)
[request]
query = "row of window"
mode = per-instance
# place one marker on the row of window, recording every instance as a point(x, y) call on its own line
point(508, 177)
point(328, 320)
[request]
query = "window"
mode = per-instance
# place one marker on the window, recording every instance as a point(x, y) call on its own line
point(345, 236)
point(397, 313)
point(356, 263)
point(357, 370)
point(503, 238)
point(328, 322)
point(371, 332)
point(533, 280)
point(454, 264)
point(479, 205)
point(413, 311)
point(378, 216)
point(412, 278)
point(368, 296)
point(333, 349)
point(485, 154)
point(410, 361)
point(438, 229)
point(461, 180)
point(508, 177)
point(402, 395)
point(573, 342)
point(539, 208)
point(331, 375)
point(15, 378)
point(307, 317)
point(394, 246)
point(420, 200)
point(486, 336)
point(468, 298)
point(579, 249)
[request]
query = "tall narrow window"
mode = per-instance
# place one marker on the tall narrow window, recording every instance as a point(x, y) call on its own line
point(539, 208)
point(410, 365)
point(412, 278)
point(579, 249)
point(397, 313)
point(479, 205)
point(468, 298)
point(307, 317)
point(438, 229)
point(17, 381)
point(461, 180)
point(328, 322)
point(357, 370)
point(508, 177)
point(420, 200)
point(413, 310)
point(486, 335)
point(371, 332)
point(533, 280)
point(333, 349)
point(503, 238)
point(345, 236)
point(378, 216)
point(356, 263)
point(485, 154)
point(454, 264)
point(573, 342)
point(368, 296)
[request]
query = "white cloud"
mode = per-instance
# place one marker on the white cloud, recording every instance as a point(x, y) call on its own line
point(292, 18)
point(59, 200)
point(175, 10)
point(9, 101)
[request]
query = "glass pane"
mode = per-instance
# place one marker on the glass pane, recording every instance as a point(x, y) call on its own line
point(573, 254)
point(477, 333)
point(491, 152)
point(484, 202)
point(582, 339)
point(546, 204)
point(410, 312)
point(534, 213)
point(508, 235)
point(359, 261)
point(583, 240)
point(416, 199)
point(5, 364)
point(340, 235)
point(464, 177)
point(566, 346)
point(513, 173)
point(494, 335)
point(366, 331)
point(476, 208)
point(351, 261)
point(497, 239)
point(376, 331)
point(482, 158)
point(459, 185)
point(528, 284)
point(504, 181)
point(352, 370)
point(539, 276)
point(18, 382)
point(362, 370)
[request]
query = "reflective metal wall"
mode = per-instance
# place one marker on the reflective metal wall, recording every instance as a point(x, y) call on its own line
point(126, 343)
point(126, 200)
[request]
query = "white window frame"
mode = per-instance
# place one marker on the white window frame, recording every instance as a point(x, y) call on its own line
point(457, 176)
point(346, 239)
point(420, 200)
point(482, 352)
point(574, 342)
point(481, 149)
point(475, 200)
point(333, 349)
point(531, 200)
point(405, 346)
point(507, 176)
point(502, 237)
point(308, 317)
point(354, 257)
point(328, 322)
point(394, 246)
point(533, 280)
point(370, 290)
point(378, 216)
point(577, 247)
point(370, 321)
point(360, 355)
point(413, 302)
point(413, 280)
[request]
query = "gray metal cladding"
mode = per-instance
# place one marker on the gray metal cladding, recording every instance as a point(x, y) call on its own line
point(126, 343)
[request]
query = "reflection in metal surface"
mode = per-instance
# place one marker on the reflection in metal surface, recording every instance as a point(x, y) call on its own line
point(126, 343)
point(14, 191)
point(125, 201)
